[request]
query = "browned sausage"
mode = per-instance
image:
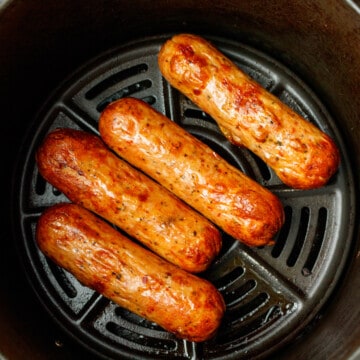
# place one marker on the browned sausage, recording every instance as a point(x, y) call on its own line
point(302, 155)
point(133, 277)
point(190, 169)
point(88, 173)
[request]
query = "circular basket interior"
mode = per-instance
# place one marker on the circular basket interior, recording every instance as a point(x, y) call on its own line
point(271, 293)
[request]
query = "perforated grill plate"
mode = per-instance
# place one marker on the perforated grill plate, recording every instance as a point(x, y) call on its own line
point(271, 293)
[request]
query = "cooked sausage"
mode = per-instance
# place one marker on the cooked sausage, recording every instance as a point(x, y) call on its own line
point(191, 170)
point(301, 154)
point(131, 276)
point(81, 166)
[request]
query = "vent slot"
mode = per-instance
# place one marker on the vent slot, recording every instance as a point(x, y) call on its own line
point(283, 234)
point(62, 279)
point(154, 343)
point(249, 309)
point(317, 242)
point(292, 101)
point(300, 238)
point(198, 114)
point(135, 319)
point(114, 79)
point(151, 100)
point(40, 185)
point(233, 296)
point(216, 141)
point(229, 278)
point(56, 191)
point(242, 331)
point(263, 168)
point(127, 91)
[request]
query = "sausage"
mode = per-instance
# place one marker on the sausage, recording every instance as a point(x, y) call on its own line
point(191, 170)
point(81, 166)
point(301, 154)
point(126, 273)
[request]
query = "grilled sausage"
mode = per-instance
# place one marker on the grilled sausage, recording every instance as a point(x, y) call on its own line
point(81, 166)
point(190, 169)
point(131, 276)
point(301, 154)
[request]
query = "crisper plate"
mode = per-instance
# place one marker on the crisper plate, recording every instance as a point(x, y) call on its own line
point(271, 293)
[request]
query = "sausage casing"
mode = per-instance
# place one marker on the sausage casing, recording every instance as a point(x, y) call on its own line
point(81, 166)
point(190, 169)
point(301, 154)
point(133, 277)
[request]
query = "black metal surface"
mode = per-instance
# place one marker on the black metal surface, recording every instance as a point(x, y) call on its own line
point(271, 293)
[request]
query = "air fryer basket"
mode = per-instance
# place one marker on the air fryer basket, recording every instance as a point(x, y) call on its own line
point(281, 300)
point(271, 293)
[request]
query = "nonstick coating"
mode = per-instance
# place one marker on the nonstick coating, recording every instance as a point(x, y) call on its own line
point(271, 293)
point(42, 42)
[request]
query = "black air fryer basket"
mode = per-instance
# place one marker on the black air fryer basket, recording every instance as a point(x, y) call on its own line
point(280, 299)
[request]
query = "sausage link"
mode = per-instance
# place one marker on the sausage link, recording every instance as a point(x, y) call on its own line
point(190, 169)
point(131, 276)
point(81, 166)
point(301, 154)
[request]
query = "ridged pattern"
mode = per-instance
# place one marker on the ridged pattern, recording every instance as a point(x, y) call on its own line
point(266, 290)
